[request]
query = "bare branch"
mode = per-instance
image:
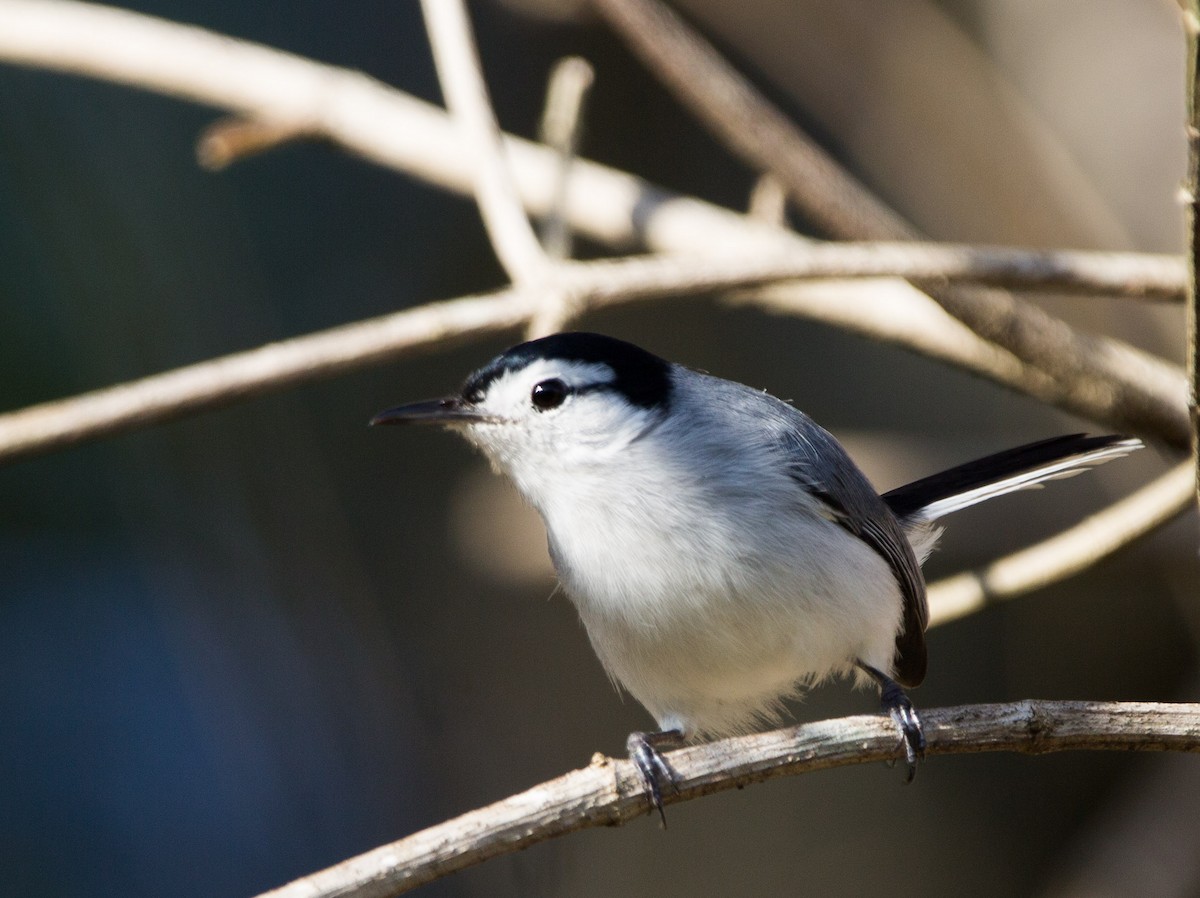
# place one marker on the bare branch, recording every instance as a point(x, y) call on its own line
point(561, 128)
point(609, 792)
point(1067, 553)
point(1083, 369)
point(218, 381)
point(466, 96)
point(160, 397)
point(1132, 275)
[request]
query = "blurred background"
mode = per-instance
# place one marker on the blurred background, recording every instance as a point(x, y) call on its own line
point(243, 646)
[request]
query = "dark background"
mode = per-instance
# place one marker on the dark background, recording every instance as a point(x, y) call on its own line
point(243, 646)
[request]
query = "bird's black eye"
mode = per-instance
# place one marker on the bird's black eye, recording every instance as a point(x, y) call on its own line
point(548, 394)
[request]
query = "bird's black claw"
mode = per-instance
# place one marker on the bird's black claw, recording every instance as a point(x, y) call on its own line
point(653, 767)
point(893, 699)
point(912, 735)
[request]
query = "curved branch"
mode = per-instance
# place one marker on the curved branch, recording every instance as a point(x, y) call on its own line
point(609, 792)
point(161, 397)
point(1066, 553)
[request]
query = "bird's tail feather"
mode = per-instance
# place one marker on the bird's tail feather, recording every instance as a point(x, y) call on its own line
point(995, 475)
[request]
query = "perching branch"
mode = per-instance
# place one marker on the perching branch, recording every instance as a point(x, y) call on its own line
point(609, 792)
point(1138, 392)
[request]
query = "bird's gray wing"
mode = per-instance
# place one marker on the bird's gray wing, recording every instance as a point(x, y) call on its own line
point(817, 461)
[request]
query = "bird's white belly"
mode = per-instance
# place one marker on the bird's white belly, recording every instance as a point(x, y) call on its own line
point(711, 653)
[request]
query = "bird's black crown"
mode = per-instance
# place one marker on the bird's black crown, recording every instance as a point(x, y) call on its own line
point(640, 376)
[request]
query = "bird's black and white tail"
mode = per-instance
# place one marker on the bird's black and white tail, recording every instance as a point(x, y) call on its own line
point(924, 501)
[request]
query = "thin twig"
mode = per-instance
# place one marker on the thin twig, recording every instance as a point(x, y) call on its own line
point(1067, 553)
point(229, 378)
point(1083, 369)
point(768, 201)
point(609, 792)
point(561, 129)
point(233, 139)
point(466, 94)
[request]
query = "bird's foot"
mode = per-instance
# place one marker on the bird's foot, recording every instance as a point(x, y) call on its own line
point(655, 771)
point(895, 702)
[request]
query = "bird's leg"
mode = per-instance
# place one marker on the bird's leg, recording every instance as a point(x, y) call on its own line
point(644, 751)
point(894, 701)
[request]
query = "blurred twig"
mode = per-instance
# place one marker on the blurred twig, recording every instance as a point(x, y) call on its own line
point(232, 139)
point(1138, 392)
point(1066, 553)
point(561, 127)
point(609, 792)
point(768, 201)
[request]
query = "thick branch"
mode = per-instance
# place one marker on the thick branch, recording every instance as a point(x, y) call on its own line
point(609, 792)
point(1138, 392)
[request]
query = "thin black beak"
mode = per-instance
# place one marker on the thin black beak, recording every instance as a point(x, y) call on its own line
point(434, 411)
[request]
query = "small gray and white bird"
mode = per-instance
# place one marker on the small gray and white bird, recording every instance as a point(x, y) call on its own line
point(722, 549)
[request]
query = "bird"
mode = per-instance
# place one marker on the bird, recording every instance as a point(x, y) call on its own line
point(723, 550)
